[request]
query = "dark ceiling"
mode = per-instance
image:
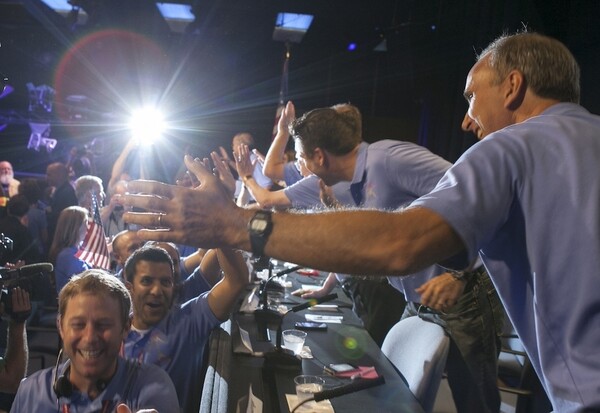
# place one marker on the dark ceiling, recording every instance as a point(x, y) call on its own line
point(224, 75)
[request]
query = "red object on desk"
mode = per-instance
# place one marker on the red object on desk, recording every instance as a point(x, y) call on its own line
point(308, 272)
point(363, 372)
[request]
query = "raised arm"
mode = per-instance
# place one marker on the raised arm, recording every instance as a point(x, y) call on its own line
point(273, 166)
point(350, 241)
point(223, 296)
point(119, 166)
point(264, 197)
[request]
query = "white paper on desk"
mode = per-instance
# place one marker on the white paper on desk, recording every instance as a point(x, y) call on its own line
point(245, 336)
point(309, 407)
point(318, 318)
point(254, 403)
point(311, 287)
point(324, 307)
point(250, 303)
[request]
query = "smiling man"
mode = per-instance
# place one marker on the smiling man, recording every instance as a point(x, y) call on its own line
point(172, 335)
point(525, 199)
point(93, 321)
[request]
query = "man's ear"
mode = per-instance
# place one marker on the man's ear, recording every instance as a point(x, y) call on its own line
point(515, 88)
point(128, 285)
point(319, 156)
point(59, 326)
point(126, 328)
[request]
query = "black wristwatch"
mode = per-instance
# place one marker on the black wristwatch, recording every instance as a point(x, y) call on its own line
point(259, 228)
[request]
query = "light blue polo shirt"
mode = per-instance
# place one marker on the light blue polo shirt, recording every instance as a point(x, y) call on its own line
point(527, 199)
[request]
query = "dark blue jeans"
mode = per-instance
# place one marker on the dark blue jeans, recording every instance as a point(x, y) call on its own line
point(474, 325)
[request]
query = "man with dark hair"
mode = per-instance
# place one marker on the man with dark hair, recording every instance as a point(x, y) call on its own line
point(63, 194)
point(14, 226)
point(171, 334)
point(389, 175)
point(93, 320)
point(524, 200)
point(123, 245)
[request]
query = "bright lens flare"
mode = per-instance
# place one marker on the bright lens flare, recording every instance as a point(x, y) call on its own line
point(147, 125)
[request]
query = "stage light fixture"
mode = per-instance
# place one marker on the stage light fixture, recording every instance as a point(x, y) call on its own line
point(147, 125)
point(291, 27)
point(177, 15)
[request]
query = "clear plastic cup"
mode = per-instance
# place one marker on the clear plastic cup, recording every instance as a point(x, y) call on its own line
point(294, 340)
point(307, 386)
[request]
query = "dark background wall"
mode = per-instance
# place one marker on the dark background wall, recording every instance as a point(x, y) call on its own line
point(223, 76)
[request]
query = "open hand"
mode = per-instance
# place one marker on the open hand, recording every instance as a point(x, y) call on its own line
point(197, 216)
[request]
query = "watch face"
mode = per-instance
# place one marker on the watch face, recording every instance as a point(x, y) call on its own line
point(258, 225)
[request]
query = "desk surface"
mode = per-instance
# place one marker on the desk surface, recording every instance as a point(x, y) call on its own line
point(230, 374)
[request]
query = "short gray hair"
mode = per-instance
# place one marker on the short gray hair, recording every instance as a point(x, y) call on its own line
point(549, 68)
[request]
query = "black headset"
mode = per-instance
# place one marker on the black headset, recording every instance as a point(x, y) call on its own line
point(62, 386)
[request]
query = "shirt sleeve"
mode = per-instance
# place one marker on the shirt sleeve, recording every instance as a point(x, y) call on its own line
point(156, 390)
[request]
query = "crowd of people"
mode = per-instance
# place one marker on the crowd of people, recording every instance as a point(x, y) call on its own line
point(402, 230)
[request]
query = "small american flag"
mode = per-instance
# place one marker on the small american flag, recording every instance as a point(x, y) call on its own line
point(94, 250)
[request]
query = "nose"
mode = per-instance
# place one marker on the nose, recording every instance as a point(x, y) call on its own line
point(89, 334)
point(155, 288)
point(468, 124)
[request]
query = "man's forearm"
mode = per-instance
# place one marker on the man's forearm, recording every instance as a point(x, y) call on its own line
point(273, 166)
point(16, 358)
point(264, 197)
point(352, 242)
point(358, 242)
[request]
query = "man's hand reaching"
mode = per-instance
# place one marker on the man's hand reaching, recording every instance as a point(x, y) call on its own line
point(204, 216)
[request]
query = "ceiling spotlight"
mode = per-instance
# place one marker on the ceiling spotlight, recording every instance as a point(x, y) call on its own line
point(291, 27)
point(147, 125)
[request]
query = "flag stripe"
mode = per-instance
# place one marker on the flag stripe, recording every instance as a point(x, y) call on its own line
point(94, 250)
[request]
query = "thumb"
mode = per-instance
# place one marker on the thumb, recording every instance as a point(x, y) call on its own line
point(197, 168)
point(122, 408)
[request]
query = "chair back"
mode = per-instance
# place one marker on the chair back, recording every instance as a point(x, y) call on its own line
point(418, 349)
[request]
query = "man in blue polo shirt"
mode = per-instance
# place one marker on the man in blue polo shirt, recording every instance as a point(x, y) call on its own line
point(172, 335)
point(525, 199)
point(93, 319)
point(389, 175)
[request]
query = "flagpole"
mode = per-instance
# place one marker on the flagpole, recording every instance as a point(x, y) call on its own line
point(283, 88)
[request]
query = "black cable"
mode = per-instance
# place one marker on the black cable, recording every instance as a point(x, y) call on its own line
point(310, 399)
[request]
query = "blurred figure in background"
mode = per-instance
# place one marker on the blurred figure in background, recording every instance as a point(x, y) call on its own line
point(37, 224)
point(9, 186)
point(62, 196)
point(70, 231)
point(14, 226)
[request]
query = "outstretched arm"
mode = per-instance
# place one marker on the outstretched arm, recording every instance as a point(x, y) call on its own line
point(119, 166)
point(273, 166)
point(351, 241)
point(264, 197)
point(224, 294)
